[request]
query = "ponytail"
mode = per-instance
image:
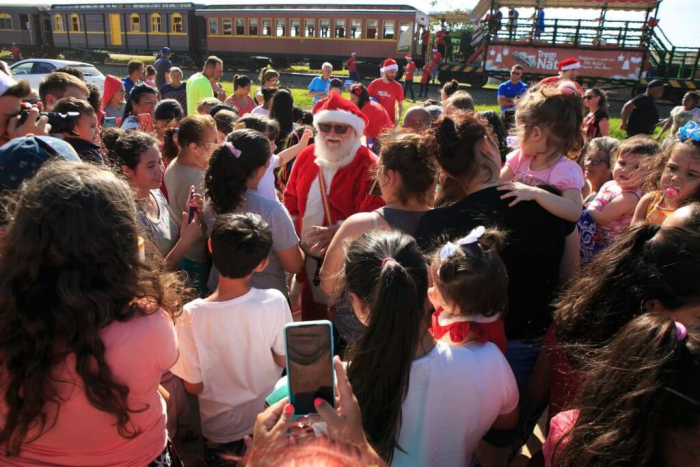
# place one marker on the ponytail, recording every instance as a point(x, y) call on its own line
point(240, 81)
point(386, 270)
point(232, 165)
point(170, 146)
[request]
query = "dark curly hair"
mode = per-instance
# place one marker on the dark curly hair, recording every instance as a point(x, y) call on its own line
point(227, 174)
point(129, 147)
point(69, 267)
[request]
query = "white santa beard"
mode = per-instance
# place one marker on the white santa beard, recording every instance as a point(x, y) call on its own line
point(335, 158)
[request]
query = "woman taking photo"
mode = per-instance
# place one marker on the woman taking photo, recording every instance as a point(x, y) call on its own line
point(138, 113)
point(269, 79)
point(240, 99)
point(597, 122)
point(100, 323)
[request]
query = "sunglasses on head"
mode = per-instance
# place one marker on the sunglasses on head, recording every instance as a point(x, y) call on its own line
point(339, 129)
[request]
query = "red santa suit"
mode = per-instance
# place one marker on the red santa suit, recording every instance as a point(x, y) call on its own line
point(348, 187)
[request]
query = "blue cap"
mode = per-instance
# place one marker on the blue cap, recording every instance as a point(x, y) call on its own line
point(21, 158)
point(165, 50)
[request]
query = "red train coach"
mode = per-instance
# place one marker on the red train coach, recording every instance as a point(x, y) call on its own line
point(287, 32)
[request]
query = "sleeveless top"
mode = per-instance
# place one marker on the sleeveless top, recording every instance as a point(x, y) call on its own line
point(349, 327)
point(164, 232)
point(657, 214)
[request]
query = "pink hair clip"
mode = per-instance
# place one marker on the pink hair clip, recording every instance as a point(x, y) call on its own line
point(387, 260)
point(232, 148)
point(681, 331)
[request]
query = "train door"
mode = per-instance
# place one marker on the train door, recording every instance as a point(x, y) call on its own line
point(115, 28)
point(48, 32)
point(38, 30)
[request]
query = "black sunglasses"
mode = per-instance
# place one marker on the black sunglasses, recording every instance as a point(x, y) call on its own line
point(596, 162)
point(339, 129)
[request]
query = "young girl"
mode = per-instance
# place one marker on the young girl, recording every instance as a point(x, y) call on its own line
point(639, 403)
point(235, 170)
point(549, 129)
point(150, 76)
point(612, 208)
point(113, 98)
point(470, 290)
point(679, 181)
point(240, 99)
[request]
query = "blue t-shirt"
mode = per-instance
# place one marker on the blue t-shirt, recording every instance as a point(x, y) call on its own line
point(511, 91)
point(319, 85)
point(162, 66)
point(128, 86)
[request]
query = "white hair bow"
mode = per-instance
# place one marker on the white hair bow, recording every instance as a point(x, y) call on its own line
point(232, 148)
point(451, 248)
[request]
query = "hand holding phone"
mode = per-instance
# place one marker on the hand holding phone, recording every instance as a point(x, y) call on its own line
point(191, 210)
point(146, 122)
point(309, 361)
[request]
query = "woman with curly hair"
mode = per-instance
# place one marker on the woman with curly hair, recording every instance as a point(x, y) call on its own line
point(231, 182)
point(87, 326)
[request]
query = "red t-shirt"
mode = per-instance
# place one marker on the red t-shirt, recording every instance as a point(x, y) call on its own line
point(425, 37)
point(409, 69)
point(437, 58)
point(440, 37)
point(426, 73)
point(555, 81)
point(378, 119)
point(387, 94)
point(352, 64)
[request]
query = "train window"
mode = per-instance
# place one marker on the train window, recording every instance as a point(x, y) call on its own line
point(23, 22)
point(74, 22)
point(58, 22)
point(267, 27)
point(135, 21)
point(356, 29)
point(177, 25)
point(310, 26)
point(405, 37)
point(227, 26)
point(253, 27)
point(281, 27)
point(6, 22)
point(213, 26)
point(325, 26)
point(339, 28)
point(294, 28)
point(372, 25)
point(389, 32)
point(156, 23)
point(240, 27)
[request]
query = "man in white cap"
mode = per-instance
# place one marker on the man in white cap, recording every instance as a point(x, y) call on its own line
point(408, 70)
point(352, 68)
point(387, 91)
point(568, 70)
point(332, 180)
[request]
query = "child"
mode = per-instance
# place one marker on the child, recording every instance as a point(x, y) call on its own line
point(150, 78)
point(470, 290)
point(234, 173)
point(205, 105)
point(84, 136)
point(549, 129)
point(231, 343)
point(615, 203)
point(113, 99)
point(679, 182)
point(638, 404)
point(424, 80)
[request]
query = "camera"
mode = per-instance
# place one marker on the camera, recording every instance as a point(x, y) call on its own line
point(60, 123)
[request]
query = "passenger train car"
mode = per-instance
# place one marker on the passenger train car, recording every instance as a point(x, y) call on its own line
point(249, 33)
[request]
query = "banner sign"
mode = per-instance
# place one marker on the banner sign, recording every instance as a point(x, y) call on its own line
point(610, 64)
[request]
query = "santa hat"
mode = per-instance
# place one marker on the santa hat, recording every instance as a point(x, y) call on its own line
point(569, 64)
point(409, 57)
point(337, 109)
point(111, 86)
point(388, 65)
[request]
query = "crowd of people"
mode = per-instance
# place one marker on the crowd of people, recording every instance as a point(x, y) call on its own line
point(157, 239)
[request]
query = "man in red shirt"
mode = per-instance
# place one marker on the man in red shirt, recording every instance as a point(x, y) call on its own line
point(441, 40)
point(387, 91)
point(409, 69)
point(424, 41)
point(435, 63)
point(568, 70)
point(15, 52)
point(352, 68)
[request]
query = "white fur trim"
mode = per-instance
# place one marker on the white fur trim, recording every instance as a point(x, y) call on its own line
point(334, 166)
point(573, 66)
point(389, 68)
point(445, 318)
point(341, 117)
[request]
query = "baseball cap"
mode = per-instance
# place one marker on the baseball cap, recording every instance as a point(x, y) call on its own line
point(21, 158)
point(165, 50)
point(655, 83)
point(6, 82)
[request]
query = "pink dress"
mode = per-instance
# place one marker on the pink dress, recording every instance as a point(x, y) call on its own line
point(607, 233)
point(565, 174)
point(137, 352)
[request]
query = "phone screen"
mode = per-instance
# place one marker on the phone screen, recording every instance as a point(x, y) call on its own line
point(309, 365)
point(109, 122)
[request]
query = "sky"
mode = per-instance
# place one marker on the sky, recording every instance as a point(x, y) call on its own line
point(679, 19)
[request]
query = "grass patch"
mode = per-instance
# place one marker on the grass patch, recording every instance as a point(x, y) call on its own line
point(120, 59)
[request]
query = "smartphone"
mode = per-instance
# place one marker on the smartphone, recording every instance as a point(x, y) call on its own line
point(309, 357)
point(146, 122)
point(109, 122)
point(191, 210)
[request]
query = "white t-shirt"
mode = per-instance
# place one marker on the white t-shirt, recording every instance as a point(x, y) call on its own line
point(266, 186)
point(455, 394)
point(259, 110)
point(226, 345)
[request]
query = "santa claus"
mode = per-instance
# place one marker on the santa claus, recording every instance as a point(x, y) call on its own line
point(568, 71)
point(330, 181)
